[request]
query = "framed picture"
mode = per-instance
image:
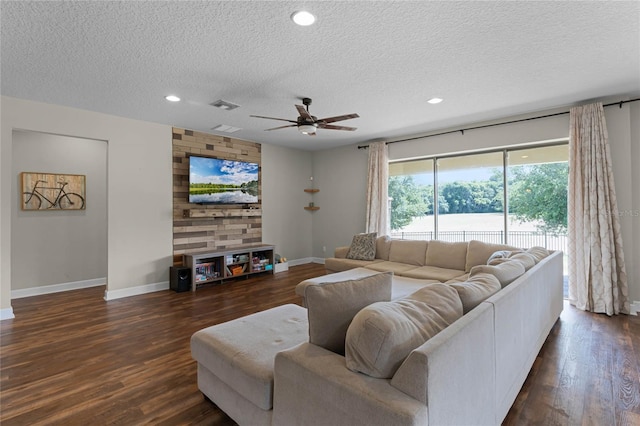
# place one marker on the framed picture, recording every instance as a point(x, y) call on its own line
point(49, 191)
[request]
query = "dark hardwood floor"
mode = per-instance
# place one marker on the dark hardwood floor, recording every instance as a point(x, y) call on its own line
point(71, 358)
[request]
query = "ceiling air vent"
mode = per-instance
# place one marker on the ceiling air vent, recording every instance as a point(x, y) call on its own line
point(225, 105)
point(226, 129)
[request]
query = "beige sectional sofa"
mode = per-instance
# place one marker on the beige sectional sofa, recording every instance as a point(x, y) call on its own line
point(431, 260)
point(414, 336)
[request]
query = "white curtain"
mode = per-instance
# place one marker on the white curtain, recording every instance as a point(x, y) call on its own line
point(597, 277)
point(377, 189)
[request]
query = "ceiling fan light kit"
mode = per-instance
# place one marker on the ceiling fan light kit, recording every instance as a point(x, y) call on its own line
point(308, 124)
point(307, 129)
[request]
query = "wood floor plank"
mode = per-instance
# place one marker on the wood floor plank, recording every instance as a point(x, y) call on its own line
point(73, 359)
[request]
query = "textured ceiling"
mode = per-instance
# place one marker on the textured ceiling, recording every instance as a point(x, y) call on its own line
point(382, 60)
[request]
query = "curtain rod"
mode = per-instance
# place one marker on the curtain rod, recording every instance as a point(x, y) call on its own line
point(620, 103)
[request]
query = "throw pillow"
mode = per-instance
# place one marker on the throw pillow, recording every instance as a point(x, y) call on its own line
point(332, 305)
point(476, 289)
point(383, 334)
point(506, 272)
point(500, 254)
point(363, 247)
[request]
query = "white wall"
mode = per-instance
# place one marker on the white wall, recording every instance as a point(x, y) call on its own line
point(139, 191)
point(285, 223)
point(341, 176)
point(348, 173)
point(59, 246)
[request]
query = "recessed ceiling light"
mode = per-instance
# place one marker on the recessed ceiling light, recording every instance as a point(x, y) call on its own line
point(172, 98)
point(434, 101)
point(303, 18)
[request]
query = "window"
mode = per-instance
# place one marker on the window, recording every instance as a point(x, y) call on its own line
point(460, 198)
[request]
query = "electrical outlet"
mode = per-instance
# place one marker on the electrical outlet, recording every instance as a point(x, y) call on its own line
point(324, 249)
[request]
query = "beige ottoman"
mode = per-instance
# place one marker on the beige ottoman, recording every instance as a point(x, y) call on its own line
point(235, 360)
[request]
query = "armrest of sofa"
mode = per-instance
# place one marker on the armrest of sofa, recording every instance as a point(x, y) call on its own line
point(453, 373)
point(341, 252)
point(313, 386)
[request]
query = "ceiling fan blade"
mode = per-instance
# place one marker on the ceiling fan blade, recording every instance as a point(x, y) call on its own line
point(339, 118)
point(282, 127)
point(333, 127)
point(304, 113)
point(273, 118)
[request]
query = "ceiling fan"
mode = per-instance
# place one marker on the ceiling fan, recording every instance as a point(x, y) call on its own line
point(308, 124)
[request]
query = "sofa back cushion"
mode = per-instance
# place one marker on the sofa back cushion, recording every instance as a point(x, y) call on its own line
point(411, 252)
point(476, 289)
point(479, 253)
point(527, 260)
point(332, 305)
point(383, 246)
point(383, 334)
point(443, 254)
point(506, 272)
point(538, 253)
point(363, 247)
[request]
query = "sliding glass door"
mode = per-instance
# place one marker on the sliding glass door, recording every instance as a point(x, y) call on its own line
point(514, 196)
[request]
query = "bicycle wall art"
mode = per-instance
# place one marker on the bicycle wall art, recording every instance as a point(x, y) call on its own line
point(48, 191)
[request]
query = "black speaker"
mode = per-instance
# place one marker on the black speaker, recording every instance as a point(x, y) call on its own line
point(180, 279)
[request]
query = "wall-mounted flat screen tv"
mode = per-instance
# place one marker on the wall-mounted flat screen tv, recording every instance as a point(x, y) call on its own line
point(218, 181)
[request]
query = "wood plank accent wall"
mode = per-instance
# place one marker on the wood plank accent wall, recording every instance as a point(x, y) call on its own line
point(211, 227)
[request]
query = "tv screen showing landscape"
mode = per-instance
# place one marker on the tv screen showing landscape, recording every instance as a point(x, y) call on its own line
point(218, 181)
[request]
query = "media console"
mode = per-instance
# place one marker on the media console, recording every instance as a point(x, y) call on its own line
point(211, 266)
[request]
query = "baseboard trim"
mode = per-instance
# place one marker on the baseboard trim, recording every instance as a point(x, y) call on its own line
point(635, 308)
point(134, 291)
point(6, 313)
point(57, 288)
point(306, 260)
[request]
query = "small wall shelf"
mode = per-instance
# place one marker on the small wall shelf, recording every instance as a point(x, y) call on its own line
point(208, 213)
point(311, 207)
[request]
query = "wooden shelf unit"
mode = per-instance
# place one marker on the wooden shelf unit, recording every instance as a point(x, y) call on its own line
point(218, 265)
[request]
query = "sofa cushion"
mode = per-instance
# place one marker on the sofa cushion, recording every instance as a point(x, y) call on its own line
point(383, 246)
point(332, 305)
point(338, 265)
point(383, 334)
point(538, 253)
point(458, 279)
point(505, 272)
point(433, 273)
point(479, 253)
point(411, 252)
point(527, 260)
point(387, 265)
point(447, 255)
point(404, 286)
point(363, 247)
point(476, 289)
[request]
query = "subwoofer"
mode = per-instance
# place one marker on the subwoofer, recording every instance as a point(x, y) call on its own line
point(180, 278)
